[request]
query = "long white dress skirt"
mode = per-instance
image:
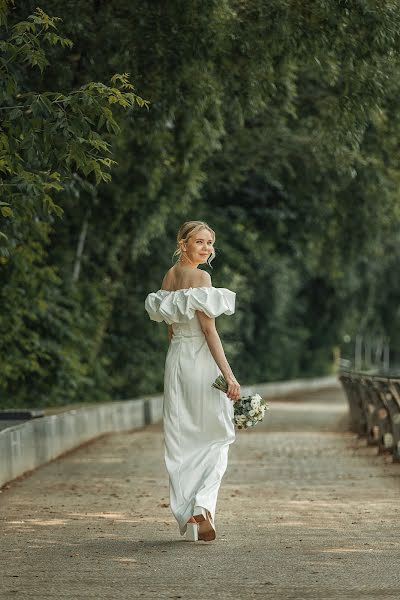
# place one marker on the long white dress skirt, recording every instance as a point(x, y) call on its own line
point(198, 427)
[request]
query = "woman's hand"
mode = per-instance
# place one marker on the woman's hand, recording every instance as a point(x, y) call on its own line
point(233, 388)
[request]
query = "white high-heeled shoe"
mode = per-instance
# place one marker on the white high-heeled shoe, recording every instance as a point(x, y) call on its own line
point(206, 528)
point(192, 532)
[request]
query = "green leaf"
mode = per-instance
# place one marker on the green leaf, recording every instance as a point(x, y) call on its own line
point(6, 211)
point(15, 113)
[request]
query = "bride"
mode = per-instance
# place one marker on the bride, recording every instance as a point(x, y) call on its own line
point(197, 418)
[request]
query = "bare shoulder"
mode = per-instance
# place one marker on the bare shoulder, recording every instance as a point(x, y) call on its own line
point(182, 278)
point(203, 279)
point(167, 279)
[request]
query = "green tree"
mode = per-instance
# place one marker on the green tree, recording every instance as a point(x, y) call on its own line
point(274, 121)
point(50, 142)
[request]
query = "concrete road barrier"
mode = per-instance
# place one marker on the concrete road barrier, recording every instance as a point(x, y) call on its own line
point(33, 443)
point(280, 389)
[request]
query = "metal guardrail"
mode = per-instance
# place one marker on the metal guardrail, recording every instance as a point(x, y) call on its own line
point(374, 403)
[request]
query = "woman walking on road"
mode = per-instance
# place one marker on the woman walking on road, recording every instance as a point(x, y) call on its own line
point(197, 418)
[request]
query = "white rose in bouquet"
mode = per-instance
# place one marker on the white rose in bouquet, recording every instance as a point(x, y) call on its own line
point(248, 411)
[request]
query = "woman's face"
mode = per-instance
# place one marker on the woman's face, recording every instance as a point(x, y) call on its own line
point(199, 246)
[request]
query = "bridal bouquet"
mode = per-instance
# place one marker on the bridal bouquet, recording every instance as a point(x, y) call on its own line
point(248, 410)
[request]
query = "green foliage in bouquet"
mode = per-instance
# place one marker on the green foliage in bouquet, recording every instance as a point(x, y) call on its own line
point(248, 410)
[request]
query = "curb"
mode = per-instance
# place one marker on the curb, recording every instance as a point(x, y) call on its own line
point(26, 446)
point(281, 389)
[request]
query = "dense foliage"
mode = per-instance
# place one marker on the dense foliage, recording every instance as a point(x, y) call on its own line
point(273, 121)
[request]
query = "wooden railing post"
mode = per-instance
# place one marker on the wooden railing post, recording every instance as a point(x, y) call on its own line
point(374, 404)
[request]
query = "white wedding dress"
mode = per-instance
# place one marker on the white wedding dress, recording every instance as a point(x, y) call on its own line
point(197, 418)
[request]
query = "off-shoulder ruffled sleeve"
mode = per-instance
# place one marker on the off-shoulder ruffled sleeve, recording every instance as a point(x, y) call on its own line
point(179, 306)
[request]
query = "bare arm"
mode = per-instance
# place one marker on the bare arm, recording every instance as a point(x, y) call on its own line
point(207, 325)
point(217, 351)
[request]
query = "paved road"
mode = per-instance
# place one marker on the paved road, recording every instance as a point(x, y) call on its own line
point(305, 511)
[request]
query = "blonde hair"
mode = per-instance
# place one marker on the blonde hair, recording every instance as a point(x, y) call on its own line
point(186, 230)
